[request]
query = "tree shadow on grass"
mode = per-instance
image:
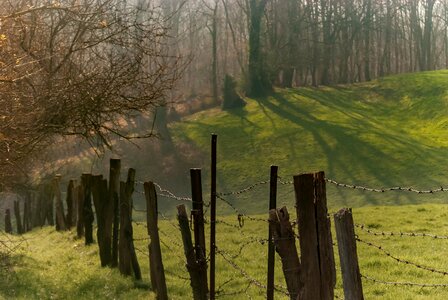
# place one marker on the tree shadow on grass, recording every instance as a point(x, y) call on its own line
point(368, 158)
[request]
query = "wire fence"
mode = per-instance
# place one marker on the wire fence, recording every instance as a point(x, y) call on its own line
point(250, 240)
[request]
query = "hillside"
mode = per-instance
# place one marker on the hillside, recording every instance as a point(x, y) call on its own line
point(383, 133)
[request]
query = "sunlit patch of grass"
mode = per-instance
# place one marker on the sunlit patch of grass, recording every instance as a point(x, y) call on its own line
point(383, 133)
point(53, 265)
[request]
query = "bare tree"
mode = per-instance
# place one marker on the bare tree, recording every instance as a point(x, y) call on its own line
point(78, 68)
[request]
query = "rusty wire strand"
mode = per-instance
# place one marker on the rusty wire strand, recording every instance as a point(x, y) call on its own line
point(401, 234)
point(244, 190)
point(397, 283)
point(240, 270)
point(241, 216)
point(403, 261)
point(382, 190)
point(378, 190)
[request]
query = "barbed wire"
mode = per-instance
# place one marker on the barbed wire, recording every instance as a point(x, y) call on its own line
point(395, 283)
point(139, 210)
point(166, 193)
point(141, 239)
point(241, 216)
point(177, 275)
point(382, 190)
point(144, 224)
point(244, 190)
point(165, 218)
point(400, 234)
point(254, 281)
point(403, 261)
point(221, 293)
point(405, 283)
point(141, 251)
point(378, 190)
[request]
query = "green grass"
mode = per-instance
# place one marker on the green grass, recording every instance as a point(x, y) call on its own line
point(383, 133)
point(53, 265)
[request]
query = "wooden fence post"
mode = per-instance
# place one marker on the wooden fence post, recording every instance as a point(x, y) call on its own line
point(18, 218)
point(130, 183)
point(214, 143)
point(35, 209)
point(106, 236)
point(113, 219)
point(348, 257)
point(39, 213)
point(310, 273)
point(284, 238)
point(26, 226)
point(75, 202)
point(60, 217)
point(271, 244)
point(318, 269)
point(124, 256)
point(48, 205)
point(27, 212)
point(98, 196)
point(192, 265)
point(155, 253)
point(325, 240)
point(69, 199)
point(8, 225)
point(198, 228)
point(86, 181)
point(80, 209)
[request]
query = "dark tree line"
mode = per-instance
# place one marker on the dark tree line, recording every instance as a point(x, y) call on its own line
point(309, 42)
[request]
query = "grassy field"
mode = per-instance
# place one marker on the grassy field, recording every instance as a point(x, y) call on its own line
point(53, 265)
point(382, 133)
point(387, 132)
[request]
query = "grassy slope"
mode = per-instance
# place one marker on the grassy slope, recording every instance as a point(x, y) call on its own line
point(53, 265)
point(382, 133)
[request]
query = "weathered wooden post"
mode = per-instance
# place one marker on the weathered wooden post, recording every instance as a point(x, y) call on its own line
point(157, 271)
point(310, 274)
point(69, 199)
point(18, 218)
point(106, 235)
point(8, 225)
point(49, 204)
point(271, 244)
point(75, 202)
point(26, 213)
point(284, 238)
point(325, 240)
point(113, 220)
point(318, 273)
point(197, 214)
point(124, 257)
point(86, 181)
point(80, 211)
point(60, 217)
point(345, 233)
point(214, 143)
point(189, 251)
point(98, 202)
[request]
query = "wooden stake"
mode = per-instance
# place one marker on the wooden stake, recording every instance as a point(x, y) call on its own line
point(155, 253)
point(351, 277)
point(213, 215)
point(271, 244)
point(114, 209)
